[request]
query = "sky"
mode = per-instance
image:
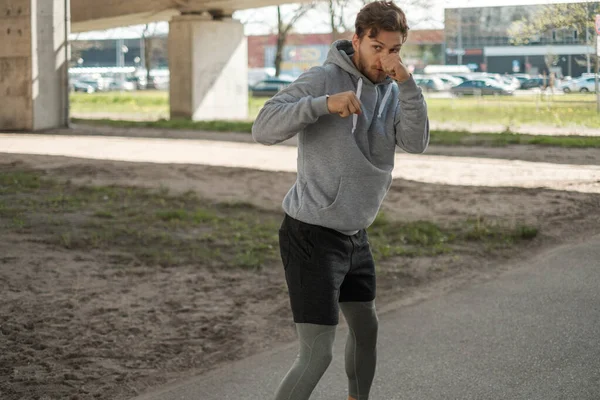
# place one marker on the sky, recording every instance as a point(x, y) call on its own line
point(261, 21)
point(431, 17)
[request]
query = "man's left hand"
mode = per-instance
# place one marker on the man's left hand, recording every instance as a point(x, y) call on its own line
point(393, 66)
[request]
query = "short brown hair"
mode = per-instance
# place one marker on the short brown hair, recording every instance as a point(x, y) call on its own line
point(384, 15)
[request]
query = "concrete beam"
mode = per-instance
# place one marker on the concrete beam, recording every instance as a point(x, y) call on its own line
point(33, 64)
point(88, 15)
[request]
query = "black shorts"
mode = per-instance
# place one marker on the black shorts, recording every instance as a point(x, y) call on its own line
point(324, 267)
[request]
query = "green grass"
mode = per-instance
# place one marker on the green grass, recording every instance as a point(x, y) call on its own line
point(565, 110)
point(425, 238)
point(558, 110)
point(146, 104)
point(455, 138)
point(183, 124)
point(447, 138)
point(154, 227)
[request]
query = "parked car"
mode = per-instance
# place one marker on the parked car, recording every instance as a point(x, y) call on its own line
point(481, 87)
point(269, 87)
point(123, 85)
point(431, 84)
point(449, 80)
point(535, 83)
point(584, 84)
point(511, 82)
point(84, 86)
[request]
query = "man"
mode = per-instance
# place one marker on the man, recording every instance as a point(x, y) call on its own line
point(349, 115)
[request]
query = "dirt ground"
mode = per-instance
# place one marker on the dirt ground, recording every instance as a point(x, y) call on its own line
point(72, 326)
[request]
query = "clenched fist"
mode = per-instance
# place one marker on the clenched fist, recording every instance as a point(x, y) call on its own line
point(393, 66)
point(344, 104)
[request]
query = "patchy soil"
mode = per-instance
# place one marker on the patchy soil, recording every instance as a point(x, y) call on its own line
point(77, 323)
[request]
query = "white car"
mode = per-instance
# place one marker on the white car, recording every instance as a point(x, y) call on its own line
point(584, 85)
point(449, 80)
point(431, 84)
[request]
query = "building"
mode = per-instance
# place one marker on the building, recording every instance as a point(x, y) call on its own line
point(121, 47)
point(303, 51)
point(479, 37)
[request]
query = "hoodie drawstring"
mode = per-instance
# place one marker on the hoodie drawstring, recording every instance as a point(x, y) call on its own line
point(385, 99)
point(381, 106)
point(358, 93)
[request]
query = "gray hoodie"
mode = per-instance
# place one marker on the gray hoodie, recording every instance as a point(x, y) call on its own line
point(344, 164)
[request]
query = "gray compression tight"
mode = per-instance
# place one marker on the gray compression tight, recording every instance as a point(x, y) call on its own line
point(316, 353)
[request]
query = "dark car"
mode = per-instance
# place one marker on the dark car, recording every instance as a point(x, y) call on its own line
point(534, 83)
point(269, 87)
point(480, 87)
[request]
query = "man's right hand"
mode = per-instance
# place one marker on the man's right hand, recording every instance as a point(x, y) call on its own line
point(344, 104)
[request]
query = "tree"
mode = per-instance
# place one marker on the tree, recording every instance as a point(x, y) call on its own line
point(284, 28)
point(583, 62)
point(577, 16)
point(337, 21)
point(147, 34)
point(550, 59)
point(342, 12)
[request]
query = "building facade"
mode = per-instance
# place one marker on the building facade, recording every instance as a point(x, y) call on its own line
point(479, 37)
point(302, 51)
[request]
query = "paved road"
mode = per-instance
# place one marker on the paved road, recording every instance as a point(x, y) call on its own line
point(420, 168)
point(531, 334)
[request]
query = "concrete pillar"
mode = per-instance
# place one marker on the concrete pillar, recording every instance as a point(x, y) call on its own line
point(208, 62)
point(33, 64)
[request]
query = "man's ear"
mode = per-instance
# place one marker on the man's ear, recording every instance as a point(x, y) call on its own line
point(355, 42)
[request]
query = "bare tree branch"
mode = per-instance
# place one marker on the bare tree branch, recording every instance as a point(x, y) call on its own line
point(284, 28)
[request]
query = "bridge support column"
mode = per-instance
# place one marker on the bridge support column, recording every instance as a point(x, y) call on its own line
point(33, 64)
point(208, 62)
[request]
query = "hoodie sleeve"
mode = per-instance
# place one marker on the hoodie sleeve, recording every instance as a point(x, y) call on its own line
point(411, 121)
point(292, 109)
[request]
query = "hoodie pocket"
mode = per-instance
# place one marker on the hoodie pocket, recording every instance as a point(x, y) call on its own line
point(357, 201)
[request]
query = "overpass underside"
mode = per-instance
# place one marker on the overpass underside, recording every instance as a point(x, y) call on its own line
point(208, 55)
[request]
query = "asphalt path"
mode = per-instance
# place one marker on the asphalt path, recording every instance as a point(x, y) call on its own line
point(533, 333)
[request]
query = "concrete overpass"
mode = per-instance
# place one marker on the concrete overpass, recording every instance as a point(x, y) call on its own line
point(207, 55)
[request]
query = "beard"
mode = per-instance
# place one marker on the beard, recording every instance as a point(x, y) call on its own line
point(374, 75)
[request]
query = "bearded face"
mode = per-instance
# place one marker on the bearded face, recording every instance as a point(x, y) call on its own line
point(368, 52)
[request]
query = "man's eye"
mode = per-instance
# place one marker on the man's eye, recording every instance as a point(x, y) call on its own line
point(377, 48)
point(396, 51)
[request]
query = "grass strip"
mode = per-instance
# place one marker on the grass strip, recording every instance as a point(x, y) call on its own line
point(154, 227)
point(446, 138)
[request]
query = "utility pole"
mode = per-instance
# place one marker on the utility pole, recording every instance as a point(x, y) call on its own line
point(459, 44)
point(597, 24)
point(597, 66)
point(587, 36)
